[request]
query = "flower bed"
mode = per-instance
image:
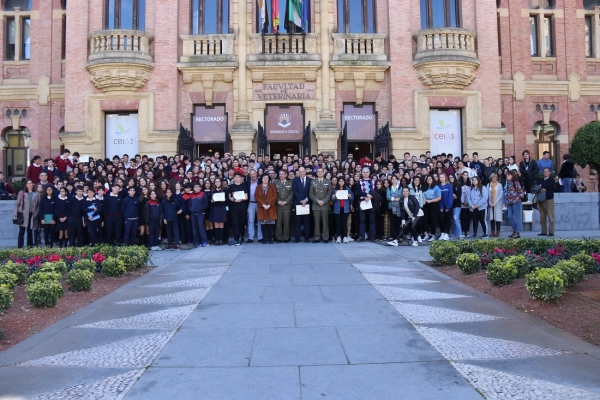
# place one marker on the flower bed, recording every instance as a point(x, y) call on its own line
point(508, 259)
point(43, 270)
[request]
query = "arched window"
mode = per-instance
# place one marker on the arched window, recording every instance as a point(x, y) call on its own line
point(125, 14)
point(356, 16)
point(210, 17)
point(24, 5)
point(17, 151)
point(440, 14)
point(546, 135)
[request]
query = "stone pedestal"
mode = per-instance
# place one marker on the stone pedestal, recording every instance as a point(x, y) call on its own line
point(327, 134)
point(242, 136)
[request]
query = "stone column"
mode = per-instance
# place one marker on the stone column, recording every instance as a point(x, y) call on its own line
point(326, 131)
point(242, 133)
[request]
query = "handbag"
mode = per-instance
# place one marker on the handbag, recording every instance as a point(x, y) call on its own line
point(20, 219)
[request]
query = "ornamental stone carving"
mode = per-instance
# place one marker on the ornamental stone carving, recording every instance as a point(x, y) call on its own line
point(119, 77)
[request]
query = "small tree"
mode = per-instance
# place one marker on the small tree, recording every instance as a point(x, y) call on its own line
point(585, 146)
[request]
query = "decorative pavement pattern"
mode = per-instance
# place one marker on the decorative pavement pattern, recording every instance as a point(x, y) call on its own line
point(139, 351)
point(501, 385)
point(206, 282)
point(417, 314)
point(378, 279)
point(401, 294)
point(165, 319)
point(113, 387)
point(180, 298)
point(376, 268)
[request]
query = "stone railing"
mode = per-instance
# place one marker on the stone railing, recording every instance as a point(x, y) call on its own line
point(207, 48)
point(445, 43)
point(359, 46)
point(120, 45)
point(283, 47)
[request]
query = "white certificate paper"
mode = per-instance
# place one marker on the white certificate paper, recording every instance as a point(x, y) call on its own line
point(302, 210)
point(366, 205)
point(218, 196)
point(239, 195)
point(341, 194)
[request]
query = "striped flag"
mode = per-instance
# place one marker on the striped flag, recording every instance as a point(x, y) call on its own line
point(305, 15)
point(264, 16)
point(295, 12)
point(275, 15)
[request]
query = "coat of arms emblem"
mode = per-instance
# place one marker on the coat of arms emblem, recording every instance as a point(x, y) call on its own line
point(284, 120)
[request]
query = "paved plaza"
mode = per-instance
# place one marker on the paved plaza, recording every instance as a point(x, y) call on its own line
point(299, 321)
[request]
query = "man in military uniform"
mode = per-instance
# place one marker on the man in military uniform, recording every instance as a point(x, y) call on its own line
point(284, 207)
point(320, 193)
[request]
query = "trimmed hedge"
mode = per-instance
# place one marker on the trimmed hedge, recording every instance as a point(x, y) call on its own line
point(501, 273)
point(44, 294)
point(444, 252)
point(571, 271)
point(80, 280)
point(6, 298)
point(520, 263)
point(43, 277)
point(468, 263)
point(113, 267)
point(587, 262)
point(545, 284)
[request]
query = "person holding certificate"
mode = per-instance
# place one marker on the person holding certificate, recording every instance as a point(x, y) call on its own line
point(218, 210)
point(365, 191)
point(301, 189)
point(238, 203)
point(342, 197)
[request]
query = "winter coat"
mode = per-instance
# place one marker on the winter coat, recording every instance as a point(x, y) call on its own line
point(475, 198)
point(22, 205)
point(262, 199)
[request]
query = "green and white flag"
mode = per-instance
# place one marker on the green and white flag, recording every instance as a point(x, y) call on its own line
point(295, 12)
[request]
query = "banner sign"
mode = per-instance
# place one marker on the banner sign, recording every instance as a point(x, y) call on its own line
point(209, 124)
point(121, 135)
point(283, 91)
point(446, 132)
point(361, 120)
point(284, 123)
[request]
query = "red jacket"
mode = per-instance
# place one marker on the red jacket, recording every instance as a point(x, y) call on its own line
point(33, 173)
point(61, 164)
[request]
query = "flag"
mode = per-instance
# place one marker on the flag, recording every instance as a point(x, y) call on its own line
point(264, 15)
point(294, 9)
point(305, 15)
point(275, 15)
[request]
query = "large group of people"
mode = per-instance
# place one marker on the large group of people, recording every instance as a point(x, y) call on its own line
point(239, 199)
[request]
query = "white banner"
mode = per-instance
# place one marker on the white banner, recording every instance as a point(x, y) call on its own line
point(121, 135)
point(446, 132)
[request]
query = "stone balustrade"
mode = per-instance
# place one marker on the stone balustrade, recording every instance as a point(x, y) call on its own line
point(446, 57)
point(119, 45)
point(283, 47)
point(359, 47)
point(207, 48)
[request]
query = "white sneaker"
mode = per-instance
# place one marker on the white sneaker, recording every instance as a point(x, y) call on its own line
point(445, 237)
point(345, 240)
point(338, 240)
point(415, 244)
point(461, 236)
point(430, 238)
point(349, 238)
point(419, 239)
point(393, 243)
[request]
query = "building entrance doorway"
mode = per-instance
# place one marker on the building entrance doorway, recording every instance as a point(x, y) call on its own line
point(209, 149)
point(279, 149)
point(360, 149)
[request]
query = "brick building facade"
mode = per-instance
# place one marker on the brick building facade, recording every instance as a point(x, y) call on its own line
point(465, 75)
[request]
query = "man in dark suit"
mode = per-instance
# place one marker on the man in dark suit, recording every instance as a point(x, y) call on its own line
point(301, 191)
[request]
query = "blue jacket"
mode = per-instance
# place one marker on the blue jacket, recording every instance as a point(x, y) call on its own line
point(130, 207)
point(170, 208)
point(47, 206)
point(347, 203)
point(447, 196)
point(85, 207)
point(112, 205)
point(61, 207)
point(475, 198)
point(198, 202)
point(301, 193)
point(74, 208)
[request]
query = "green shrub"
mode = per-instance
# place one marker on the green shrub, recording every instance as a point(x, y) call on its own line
point(545, 284)
point(87, 265)
point(8, 279)
point(5, 254)
point(444, 252)
point(57, 266)
point(520, 263)
point(130, 262)
point(44, 276)
point(133, 256)
point(6, 297)
point(468, 263)
point(20, 270)
point(465, 246)
point(80, 280)
point(588, 263)
point(113, 267)
point(44, 294)
point(499, 273)
point(571, 271)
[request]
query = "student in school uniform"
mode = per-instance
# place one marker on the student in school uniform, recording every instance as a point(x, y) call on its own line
point(186, 232)
point(113, 219)
point(75, 221)
point(47, 216)
point(100, 225)
point(61, 208)
point(131, 216)
point(197, 204)
point(153, 212)
point(171, 209)
point(92, 211)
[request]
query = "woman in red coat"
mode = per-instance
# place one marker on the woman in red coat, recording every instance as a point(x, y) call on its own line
point(266, 196)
